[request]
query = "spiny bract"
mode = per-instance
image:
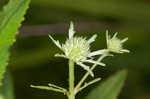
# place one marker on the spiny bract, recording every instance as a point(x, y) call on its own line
point(77, 49)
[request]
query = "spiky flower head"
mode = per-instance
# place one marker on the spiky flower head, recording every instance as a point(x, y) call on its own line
point(77, 49)
point(114, 44)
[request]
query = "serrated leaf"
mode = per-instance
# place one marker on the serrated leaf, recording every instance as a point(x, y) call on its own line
point(10, 20)
point(110, 88)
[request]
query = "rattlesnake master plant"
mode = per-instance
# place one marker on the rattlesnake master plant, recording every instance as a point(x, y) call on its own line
point(114, 44)
point(77, 50)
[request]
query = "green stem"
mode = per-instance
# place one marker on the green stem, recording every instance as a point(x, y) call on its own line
point(87, 74)
point(87, 84)
point(71, 80)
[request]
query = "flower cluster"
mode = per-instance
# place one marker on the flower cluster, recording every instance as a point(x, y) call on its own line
point(114, 44)
point(78, 50)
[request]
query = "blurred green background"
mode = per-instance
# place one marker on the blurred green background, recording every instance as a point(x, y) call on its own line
point(32, 60)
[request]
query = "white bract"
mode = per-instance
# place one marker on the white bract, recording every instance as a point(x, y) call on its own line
point(77, 49)
point(114, 44)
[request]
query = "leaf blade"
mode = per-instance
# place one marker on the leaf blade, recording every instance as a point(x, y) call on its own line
point(10, 19)
point(110, 88)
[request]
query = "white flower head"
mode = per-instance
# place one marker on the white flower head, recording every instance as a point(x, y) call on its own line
point(114, 44)
point(77, 49)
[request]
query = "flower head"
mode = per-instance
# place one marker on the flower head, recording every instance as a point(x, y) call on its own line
point(114, 44)
point(77, 49)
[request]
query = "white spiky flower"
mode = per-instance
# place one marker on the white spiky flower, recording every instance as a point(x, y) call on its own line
point(114, 44)
point(77, 49)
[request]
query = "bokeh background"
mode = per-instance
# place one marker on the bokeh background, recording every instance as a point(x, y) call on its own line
point(32, 60)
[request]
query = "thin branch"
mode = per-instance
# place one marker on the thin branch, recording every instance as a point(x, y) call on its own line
point(87, 84)
point(87, 74)
point(55, 86)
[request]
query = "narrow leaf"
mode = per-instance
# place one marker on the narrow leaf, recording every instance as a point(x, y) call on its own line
point(49, 88)
point(110, 88)
point(10, 20)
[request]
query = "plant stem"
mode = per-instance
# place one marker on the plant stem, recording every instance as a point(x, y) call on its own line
point(87, 84)
point(87, 74)
point(71, 94)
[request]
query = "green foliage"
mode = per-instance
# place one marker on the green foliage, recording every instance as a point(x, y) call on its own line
point(110, 88)
point(10, 19)
point(6, 91)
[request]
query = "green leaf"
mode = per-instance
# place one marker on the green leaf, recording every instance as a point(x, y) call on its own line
point(110, 88)
point(6, 91)
point(56, 88)
point(10, 19)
